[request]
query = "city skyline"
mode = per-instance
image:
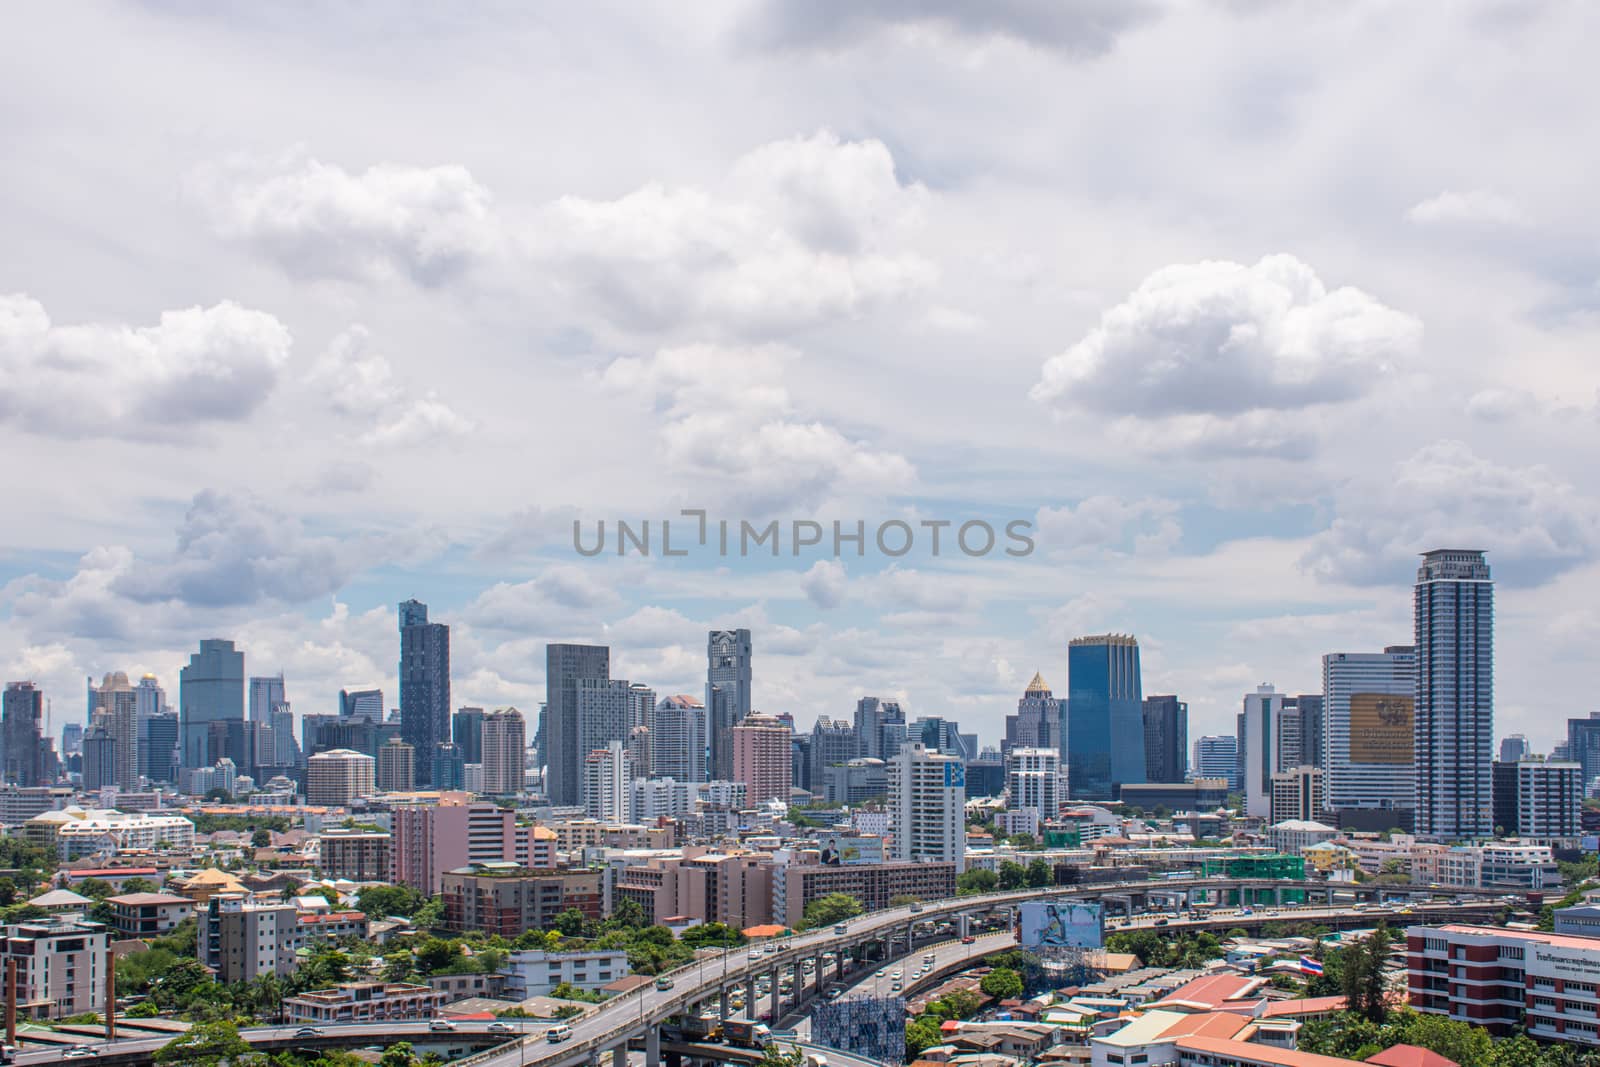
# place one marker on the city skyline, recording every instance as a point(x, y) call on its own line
point(911, 312)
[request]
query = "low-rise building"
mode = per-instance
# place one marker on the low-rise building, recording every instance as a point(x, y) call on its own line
point(532, 973)
point(1503, 979)
point(145, 915)
point(60, 966)
point(364, 1002)
point(796, 885)
point(75, 832)
point(503, 898)
point(732, 887)
point(360, 854)
point(1294, 836)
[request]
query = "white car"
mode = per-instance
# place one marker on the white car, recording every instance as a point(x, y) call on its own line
point(896, 976)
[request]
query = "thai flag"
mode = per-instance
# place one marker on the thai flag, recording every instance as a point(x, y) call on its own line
point(1310, 966)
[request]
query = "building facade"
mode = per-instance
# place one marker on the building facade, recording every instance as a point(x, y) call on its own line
point(504, 753)
point(761, 760)
point(336, 777)
point(396, 767)
point(504, 899)
point(1369, 728)
point(61, 966)
point(927, 806)
point(1454, 745)
point(728, 688)
point(424, 685)
point(1105, 716)
point(210, 689)
point(1166, 739)
point(1033, 781)
point(1503, 979)
point(1539, 800)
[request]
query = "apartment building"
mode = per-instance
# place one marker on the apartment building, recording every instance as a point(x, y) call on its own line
point(1501, 979)
point(358, 853)
point(534, 974)
point(60, 966)
point(143, 915)
point(796, 885)
point(365, 1002)
point(726, 887)
point(503, 898)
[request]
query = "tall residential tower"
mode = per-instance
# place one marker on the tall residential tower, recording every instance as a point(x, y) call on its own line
point(1454, 737)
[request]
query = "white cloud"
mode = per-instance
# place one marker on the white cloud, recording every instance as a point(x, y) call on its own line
point(1104, 523)
point(359, 386)
point(728, 418)
point(1472, 207)
point(1533, 524)
point(549, 603)
point(317, 220)
point(197, 366)
point(803, 231)
point(1222, 339)
point(825, 583)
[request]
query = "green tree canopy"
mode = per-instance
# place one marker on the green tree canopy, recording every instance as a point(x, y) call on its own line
point(206, 1045)
point(1002, 983)
point(831, 908)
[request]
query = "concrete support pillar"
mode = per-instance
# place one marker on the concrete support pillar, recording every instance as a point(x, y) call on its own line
point(1277, 896)
point(750, 995)
point(652, 1045)
point(963, 922)
point(722, 1003)
point(777, 999)
point(619, 1055)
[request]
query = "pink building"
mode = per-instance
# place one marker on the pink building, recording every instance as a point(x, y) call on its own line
point(762, 758)
point(428, 840)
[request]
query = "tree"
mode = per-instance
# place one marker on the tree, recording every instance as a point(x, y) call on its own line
point(774, 1056)
point(398, 1054)
point(1012, 875)
point(434, 954)
point(977, 880)
point(206, 1045)
point(1040, 874)
point(430, 914)
point(261, 839)
point(831, 908)
point(399, 900)
point(568, 991)
point(922, 1033)
point(1002, 983)
point(627, 912)
point(900, 900)
point(712, 935)
point(139, 885)
point(1022, 841)
point(571, 923)
point(95, 889)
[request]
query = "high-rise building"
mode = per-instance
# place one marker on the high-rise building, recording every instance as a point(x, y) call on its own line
point(1295, 793)
point(210, 689)
point(1217, 756)
point(678, 740)
point(449, 768)
point(1033, 780)
point(1271, 739)
point(614, 709)
point(396, 767)
point(607, 777)
point(266, 693)
point(99, 753)
point(1105, 716)
point(1040, 721)
point(927, 806)
point(1454, 745)
point(565, 667)
point(285, 753)
point(1166, 739)
point(113, 692)
point(1369, 730)
point(939, 734)
point(424, 684)
point(125, 741)
point(72, 738)
point(1539, 801)
point(1312, 727)
point(361, 704)
point(761, 758)
point(22, 743)
point(467, 732)
point(504, 752)
point(833, 741)
point(337, 777)
point(1514, 747)
point(728, 685)
point(1583, 745)
point(149, 698)
point(880, 727)
point(158, 744)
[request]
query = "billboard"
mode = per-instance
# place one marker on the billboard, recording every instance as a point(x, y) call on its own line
point(1062, 924)
point(1380, 728)
point(844, 850)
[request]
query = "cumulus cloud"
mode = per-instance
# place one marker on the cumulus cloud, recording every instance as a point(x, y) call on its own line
point(1533, 523)
point(195, 366)
point(1472, 207)
point(1104, 523)
point(317, 220)
point(801, 231)
point(825, 583)
point(360, 386)
point(1082, 29)
point(727, 416)
point(1222, 338)
point(550, 602)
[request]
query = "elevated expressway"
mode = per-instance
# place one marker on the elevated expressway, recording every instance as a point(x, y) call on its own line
point(707, 984)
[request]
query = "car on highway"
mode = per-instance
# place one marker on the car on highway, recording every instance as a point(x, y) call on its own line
point(916, 908)
point(895, 988)
point(308, 1031)
point(896, 976)
point(502, 1028)
point(558, 1033)
point(841, 929)
point(880, 974)
point(79, 1052)
point(441, 1026)
point(663, 983)
point(755, 954)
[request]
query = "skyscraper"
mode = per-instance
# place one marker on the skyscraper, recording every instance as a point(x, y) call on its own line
point(1033, 780)
point(1370, 730)
point(728, 682)
point(504, 752)
point(1271, 740)
point(927, 806)
point(158, 742)
point(1040, 721)
point(361, 704)
point(266, 693)
point(565, 666)
point(607, 777)
point(612, 709)
point(149, 698)
point(397, 765)
point(1539, 801)
point(1454, 601)
point(678, 742)
point(832, 742)
point(1583, 744)
point(424, 684)
point(1514, 747)
point(1105, 716)
point(1166, 739)
point(467, 731)
point(449, 769)
point(1217, 756)
point(761, 758)
point(22, 735)
point(210, 689)
point(880, 727)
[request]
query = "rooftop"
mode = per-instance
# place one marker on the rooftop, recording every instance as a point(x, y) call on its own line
point(1252, 1053)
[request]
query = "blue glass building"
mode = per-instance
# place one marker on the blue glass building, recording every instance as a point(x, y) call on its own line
point(1105, 716)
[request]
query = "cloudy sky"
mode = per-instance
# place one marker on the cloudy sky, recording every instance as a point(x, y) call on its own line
point(308, 309)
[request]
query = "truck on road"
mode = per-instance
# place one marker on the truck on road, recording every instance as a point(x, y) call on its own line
point(746, 1033)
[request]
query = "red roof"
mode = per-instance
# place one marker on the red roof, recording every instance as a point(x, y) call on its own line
point(1210, 992)
point(113, 872)
point(334, 917)
point(1209, 1024)
point(1304, 1006)
point(1409, 1056)
point(1253, 1053)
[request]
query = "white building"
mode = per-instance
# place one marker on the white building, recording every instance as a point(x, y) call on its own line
point(606, 774)
point(94, 832)
point(656, 798)
point(1295, 835)
point(60, 965)
point(504, 752)
point(338, 776)
point(534, 974)
point(1033, 780)
point(927, 806)
point(1367, 708)
point(1270, 740)
point(721, 794)
point(1296, 794)
point(678, 739)
point(1539, 800)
